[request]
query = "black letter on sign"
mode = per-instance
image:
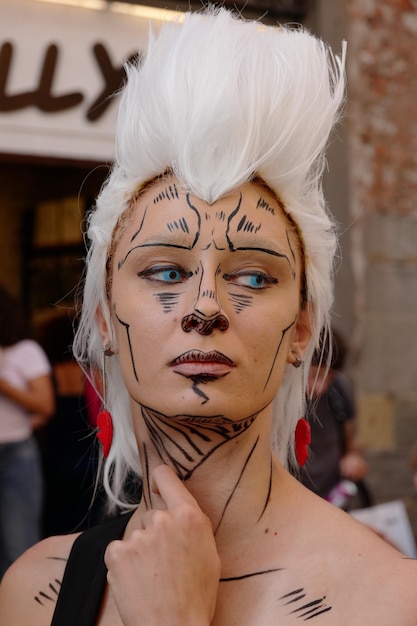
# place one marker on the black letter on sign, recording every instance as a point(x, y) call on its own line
point(113, 77)
point(45, 100)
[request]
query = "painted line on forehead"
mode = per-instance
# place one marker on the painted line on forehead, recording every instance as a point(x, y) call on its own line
point(283, 333)
point(264, 205)
point(290, 246)
point(230, 218)
point(135, 234)
point(126, 326)
point(182, 224)
point(170, 193)
point(247, 226)
point(294, 273)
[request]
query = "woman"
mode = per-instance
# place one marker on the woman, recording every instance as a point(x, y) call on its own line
point(26, 403)
point(208, 284)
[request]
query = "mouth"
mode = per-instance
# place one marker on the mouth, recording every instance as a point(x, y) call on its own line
point(195, 362)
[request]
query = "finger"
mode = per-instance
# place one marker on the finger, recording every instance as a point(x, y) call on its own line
point(170, 488)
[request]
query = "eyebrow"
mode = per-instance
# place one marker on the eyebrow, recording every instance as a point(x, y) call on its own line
point(163, 244)
point(156, 244)
point(261, 249)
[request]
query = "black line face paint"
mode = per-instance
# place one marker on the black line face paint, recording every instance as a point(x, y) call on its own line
point(51, 593)
point(296, 602)
point(203, 280)
point(240, 301)
point(187, 442)
point(232, 493)
point(167, 300)
point(305, 609)
point(251, 575)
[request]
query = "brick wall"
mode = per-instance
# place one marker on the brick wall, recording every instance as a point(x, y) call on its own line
point(382, 131)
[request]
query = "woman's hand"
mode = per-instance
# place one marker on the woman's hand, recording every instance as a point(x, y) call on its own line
point(168, 571)
point(353, 466)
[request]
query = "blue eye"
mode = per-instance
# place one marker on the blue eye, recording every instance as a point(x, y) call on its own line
point(256, 281)
point(169, 275)
point(253, 280)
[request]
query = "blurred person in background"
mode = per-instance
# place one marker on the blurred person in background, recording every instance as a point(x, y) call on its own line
point(26, 404)
point(335, 466)
point(68, 445)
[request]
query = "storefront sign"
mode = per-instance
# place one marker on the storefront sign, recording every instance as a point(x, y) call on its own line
point(61, 68)
point(43, 97)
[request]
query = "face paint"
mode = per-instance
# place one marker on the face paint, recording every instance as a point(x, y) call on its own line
point(205, 300)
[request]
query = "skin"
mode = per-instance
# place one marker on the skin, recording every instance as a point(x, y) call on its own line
point(218, 267)
point(223, 534)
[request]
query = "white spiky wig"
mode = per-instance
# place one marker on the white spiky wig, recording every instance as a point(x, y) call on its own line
point(219, 100)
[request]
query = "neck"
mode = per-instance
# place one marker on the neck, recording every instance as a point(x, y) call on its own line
point(226, 465)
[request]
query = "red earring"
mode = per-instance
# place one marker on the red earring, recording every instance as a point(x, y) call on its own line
point(302, 430)
point(104, 419)
point(302, 441)
point(105, 431)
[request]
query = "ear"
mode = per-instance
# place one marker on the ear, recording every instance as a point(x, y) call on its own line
point(301, 336)
point(103, 328)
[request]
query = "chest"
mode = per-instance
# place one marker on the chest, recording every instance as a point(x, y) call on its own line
point(270, 598)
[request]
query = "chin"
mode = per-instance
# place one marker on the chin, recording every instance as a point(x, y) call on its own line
point(203, 401)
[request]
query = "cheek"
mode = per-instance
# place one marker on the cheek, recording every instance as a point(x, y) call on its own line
point(137, 312)
point(264, 330)
point(142, 328)
point(270, 344)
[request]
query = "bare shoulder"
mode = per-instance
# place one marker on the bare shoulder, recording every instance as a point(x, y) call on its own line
point(389, 575)
point(379, 582)
point(30, 587)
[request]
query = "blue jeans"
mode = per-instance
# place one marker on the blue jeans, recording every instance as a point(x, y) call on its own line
point(21, 499)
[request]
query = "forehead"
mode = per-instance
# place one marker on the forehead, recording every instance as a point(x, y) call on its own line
point(165, 213)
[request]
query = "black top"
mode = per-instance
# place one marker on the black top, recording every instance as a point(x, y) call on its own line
point(84, 579)
point(327, 416)
point(69, 458)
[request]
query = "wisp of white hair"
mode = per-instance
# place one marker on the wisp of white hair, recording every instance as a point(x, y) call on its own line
point(219, 100)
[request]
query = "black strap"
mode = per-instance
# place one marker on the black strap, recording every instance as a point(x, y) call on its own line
point(84, 578)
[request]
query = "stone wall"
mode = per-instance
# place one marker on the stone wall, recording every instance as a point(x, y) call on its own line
point(382, 134)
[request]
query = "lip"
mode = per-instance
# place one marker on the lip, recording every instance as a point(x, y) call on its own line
point(194, 362)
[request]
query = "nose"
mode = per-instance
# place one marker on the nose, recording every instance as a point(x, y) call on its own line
point(204, 326)
point(207, 315)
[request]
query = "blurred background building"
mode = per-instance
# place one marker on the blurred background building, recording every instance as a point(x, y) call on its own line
point(61, 65)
